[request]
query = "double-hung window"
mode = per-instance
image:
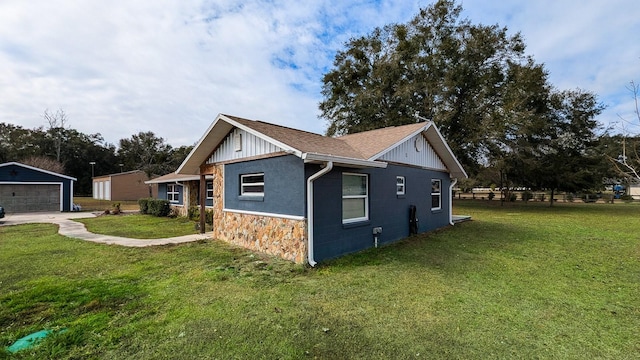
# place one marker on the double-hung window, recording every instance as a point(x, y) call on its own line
point(173, 194)
point(436, 194)
point(355, 198)
point(399, 185)
point(252, 184)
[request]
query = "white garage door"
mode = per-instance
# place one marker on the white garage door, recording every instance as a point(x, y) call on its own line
point(19, 198)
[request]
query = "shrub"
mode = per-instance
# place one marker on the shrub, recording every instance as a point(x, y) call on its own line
point(194, 215)
point(158, 207)
point(116, 209)
point(570, 197)
point(491, 195)
point(144, 205)
point(512, 197)
point(626, 198)
point(526, 195)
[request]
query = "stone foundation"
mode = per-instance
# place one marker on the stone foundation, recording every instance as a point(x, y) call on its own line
point(285, 238)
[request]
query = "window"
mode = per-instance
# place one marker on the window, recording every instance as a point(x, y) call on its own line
point(173, 194)
point(209, 189)
point(399, 185)
point(355, 198)
point(252, 184)
point(436, 194)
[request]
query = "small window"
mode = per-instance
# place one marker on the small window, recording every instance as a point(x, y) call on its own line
point(436, 194)
point(252, 184)
point(399, 185)
point(355, 198)
point(173, 194)
point(209, 189)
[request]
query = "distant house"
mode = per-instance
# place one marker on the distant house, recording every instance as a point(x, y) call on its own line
point(182, 191)
point(307, 197)
point(128, 185)
point(25, 188)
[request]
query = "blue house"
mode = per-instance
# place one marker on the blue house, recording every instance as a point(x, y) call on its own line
point(307, 197)
point(25, 188)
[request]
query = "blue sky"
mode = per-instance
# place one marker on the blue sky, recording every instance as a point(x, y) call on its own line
point(120, 67)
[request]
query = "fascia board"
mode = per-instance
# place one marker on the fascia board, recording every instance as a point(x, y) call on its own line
point(338, 160)
point(264, 137)
point(203, 148)
point(380, 154)
point(443, 150)
point(38, 170)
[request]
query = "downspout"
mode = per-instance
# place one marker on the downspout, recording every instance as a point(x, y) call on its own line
point(453, 183)
point(310, 180)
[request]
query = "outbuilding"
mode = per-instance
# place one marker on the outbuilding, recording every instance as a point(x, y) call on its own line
point(25, 188)
point(128, 185)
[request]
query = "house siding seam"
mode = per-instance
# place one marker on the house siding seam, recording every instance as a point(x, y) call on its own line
point(285, 238)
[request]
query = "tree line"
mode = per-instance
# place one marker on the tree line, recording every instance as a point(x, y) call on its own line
point(64, 150)
point(494, 104)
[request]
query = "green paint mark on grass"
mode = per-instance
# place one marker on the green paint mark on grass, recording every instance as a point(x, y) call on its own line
point(30, 340)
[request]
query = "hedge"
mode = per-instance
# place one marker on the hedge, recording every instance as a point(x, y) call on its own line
point(155, 207)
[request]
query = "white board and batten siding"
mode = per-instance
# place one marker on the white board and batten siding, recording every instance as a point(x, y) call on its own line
point(240, 144)
point(416, 151)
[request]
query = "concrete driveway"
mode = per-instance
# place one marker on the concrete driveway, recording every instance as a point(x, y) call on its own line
point(77, 230)
point(42, 217)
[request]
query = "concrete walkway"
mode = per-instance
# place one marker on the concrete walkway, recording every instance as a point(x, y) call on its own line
point(77, 230)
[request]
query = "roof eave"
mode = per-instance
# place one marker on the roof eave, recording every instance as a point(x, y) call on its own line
point(342, 161)
point(443, 150)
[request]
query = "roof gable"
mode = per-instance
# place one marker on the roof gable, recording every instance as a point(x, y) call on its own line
point(366, 149)
point(38, 170)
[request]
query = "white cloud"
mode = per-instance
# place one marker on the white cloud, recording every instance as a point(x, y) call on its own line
point(120, 67)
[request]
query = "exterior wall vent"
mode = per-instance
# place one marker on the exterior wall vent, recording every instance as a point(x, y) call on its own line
point(237, 142)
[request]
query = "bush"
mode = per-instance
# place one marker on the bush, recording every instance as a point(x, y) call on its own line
point(491, 195)
point(512, 197)
point(570, 197)
point(526, 195)
point(194, 215)
point(158, 207)
point(626, 198)
point(144, 205)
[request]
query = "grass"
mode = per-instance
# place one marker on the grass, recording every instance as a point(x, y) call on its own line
point(91, 204)
point(139, 226)
point(520, 281)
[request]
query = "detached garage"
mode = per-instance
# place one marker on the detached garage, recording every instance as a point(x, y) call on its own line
point(25, 188)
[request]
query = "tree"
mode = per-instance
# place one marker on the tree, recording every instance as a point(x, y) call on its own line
point(438, 65)
point(627, 161)
point(57, 122)
point(45, 163)
point(147, 152)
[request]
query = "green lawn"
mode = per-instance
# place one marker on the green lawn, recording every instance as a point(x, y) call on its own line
point(520, 281)
point(139, 226)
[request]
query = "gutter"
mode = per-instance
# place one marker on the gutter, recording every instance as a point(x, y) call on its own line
point(310, 180)
point(453, 183)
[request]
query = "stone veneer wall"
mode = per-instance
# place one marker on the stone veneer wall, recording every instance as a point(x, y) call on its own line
point(285, 238)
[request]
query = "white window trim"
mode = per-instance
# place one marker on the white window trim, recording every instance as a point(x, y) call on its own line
point(174, 193)
point(439, 194)
point(243, 185)
point(365, 197)
point(209, 190)
point(404, 185)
